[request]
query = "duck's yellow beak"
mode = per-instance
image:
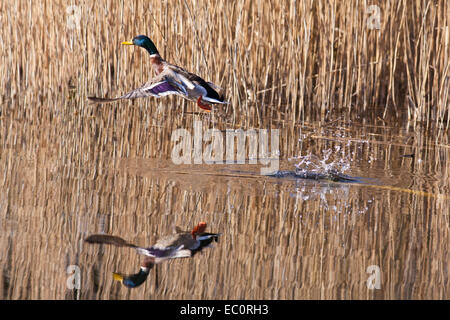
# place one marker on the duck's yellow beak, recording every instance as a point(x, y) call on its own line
point(117, 277)
point(128, 43)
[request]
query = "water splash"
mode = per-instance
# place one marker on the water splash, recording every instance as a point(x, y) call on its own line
point(325, 166)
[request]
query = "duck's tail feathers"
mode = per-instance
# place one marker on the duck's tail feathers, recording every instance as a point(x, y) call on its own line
point(215, 101)
point(206, 236)
point(108, 239)
point(215, 87)
point(220, 91)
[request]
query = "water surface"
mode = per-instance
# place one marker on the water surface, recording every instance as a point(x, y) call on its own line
point(281, 238)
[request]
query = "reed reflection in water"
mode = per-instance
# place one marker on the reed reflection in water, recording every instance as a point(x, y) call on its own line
point(281, 238)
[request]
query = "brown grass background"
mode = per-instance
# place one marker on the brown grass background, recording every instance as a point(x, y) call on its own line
point(278, 60)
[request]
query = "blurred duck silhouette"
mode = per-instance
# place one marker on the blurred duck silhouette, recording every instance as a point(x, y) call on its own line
point(180, 244)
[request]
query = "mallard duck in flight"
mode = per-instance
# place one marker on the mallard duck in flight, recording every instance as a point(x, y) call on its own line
point(180, 244)
point(170, 79)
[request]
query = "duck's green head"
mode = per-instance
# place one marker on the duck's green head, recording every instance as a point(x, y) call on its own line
point(144, 42)
point(135, 280)
point(132, 281)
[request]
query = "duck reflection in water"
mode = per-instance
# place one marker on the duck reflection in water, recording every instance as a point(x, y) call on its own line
point(180, 244)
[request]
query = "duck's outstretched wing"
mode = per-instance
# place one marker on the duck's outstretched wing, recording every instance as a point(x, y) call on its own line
point(161, 254)
point(160, 86)
point(108, 239)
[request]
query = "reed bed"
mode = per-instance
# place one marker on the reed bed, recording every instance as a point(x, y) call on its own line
point(278, 60)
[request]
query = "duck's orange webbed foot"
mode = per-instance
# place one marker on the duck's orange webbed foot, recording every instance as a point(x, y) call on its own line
point(202, 105)
point(200, 228)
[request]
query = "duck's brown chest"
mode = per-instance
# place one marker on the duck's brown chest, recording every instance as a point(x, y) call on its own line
point(157, 64)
